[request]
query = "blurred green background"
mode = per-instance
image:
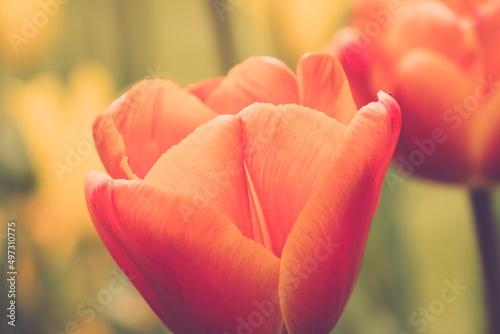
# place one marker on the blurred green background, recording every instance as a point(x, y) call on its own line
point(69, 68)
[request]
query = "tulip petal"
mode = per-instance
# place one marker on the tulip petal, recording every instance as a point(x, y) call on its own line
point(463, 7)
point(198, 277)
point(322, 256)
point(143, 115)
point(430, 25)
point(257, 79)
point(489, 35)
point(109, 142)
point(323, 86)
point(286, 149)
point(248, 166)
point(204, 89)
point(208, 165)
point(355, 56)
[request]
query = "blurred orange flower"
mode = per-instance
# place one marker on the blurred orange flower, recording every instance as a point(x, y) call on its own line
point(253, 221)
point(440, 60)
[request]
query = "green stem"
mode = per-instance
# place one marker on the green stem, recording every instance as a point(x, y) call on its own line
point(489, 248)
point(223, 35)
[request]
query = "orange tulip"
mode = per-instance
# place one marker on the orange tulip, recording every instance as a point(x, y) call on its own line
point(257, 219)
point(440, 60)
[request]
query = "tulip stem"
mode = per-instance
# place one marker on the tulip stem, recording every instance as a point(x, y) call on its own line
point(489, 247)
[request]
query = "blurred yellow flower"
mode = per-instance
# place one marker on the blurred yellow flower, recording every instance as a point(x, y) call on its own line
point(300, 26)
point(28, 28)
point(54, 119)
